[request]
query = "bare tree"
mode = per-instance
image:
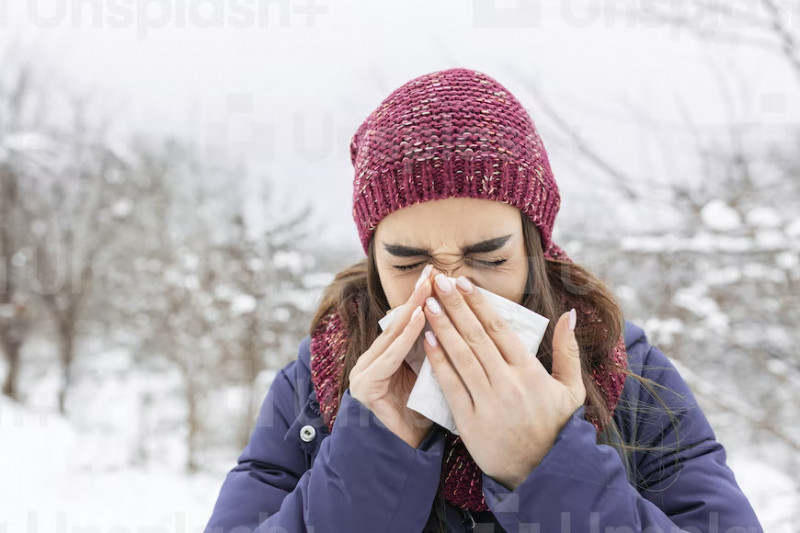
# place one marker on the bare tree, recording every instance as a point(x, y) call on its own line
point(221, 304)
point(762, 24)
point(14, 316)
point(23, 103)
point(74, 199)
point(268, 274)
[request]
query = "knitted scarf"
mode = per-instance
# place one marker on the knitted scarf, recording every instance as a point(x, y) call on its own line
point(460, 481)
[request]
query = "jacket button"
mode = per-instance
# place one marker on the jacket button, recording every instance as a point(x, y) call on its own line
point(307, 433)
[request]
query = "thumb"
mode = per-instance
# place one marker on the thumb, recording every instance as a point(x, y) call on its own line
point(566, 357)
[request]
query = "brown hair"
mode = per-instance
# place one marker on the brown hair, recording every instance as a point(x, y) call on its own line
point(551, 285)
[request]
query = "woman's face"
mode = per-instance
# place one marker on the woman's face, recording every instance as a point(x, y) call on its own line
point(442, 232)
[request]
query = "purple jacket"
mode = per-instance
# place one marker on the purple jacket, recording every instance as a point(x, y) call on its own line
point(296, 476)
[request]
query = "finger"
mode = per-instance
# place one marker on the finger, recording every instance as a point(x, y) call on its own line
point(390, 360)
point(566, 357)
point(466, 320)
point(507, 345)
point(455, 391)
point(397, 326)
point(464, 361)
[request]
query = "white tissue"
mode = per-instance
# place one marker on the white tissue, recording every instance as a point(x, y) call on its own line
point(427, 397)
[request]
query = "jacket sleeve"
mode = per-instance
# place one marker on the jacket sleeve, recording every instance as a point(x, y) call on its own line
point(364, 477)
point(685, 484)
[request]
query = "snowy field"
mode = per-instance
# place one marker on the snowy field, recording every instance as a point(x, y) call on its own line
point(56, 478)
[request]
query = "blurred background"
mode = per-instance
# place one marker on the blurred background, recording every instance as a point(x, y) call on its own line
point(175, 193)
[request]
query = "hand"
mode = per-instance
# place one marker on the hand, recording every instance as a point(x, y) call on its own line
point(382, 380)
point(507, 408)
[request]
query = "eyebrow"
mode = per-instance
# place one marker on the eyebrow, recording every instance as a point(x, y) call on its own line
point(488, 245)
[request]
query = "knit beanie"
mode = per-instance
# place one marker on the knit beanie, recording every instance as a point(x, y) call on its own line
point(451, 133)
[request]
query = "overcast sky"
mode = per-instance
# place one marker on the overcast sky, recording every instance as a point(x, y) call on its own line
point(283, 85)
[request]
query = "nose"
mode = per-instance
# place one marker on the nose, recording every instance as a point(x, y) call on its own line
point(454, 273)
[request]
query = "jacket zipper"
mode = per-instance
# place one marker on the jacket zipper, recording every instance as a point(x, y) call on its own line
point(466, 518)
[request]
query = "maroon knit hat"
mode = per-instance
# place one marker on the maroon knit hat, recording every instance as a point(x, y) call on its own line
point(451, 133)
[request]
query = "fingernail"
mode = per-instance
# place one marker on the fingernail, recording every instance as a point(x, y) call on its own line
point(433, 305)
point(443, 283)
point(464, 284)
point(417, 311)
point(424, 275)
point(573, 318)
point(431, 338)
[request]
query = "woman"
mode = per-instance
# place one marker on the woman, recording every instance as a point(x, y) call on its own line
point(598, 432)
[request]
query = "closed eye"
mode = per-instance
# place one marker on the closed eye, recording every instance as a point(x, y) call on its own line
point(408, 268)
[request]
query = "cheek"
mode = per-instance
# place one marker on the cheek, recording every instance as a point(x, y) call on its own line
point(507, 290)
point(395, 299)
point(510, 286)
point(520, 280)
point(397, 290)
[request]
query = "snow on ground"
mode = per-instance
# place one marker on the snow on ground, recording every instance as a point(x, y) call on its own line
point(46, 487)
point(774, 495)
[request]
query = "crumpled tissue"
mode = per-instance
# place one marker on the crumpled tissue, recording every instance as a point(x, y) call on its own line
point(427, 397)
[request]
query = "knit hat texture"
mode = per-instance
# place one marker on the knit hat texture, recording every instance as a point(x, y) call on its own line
point(451, 133)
